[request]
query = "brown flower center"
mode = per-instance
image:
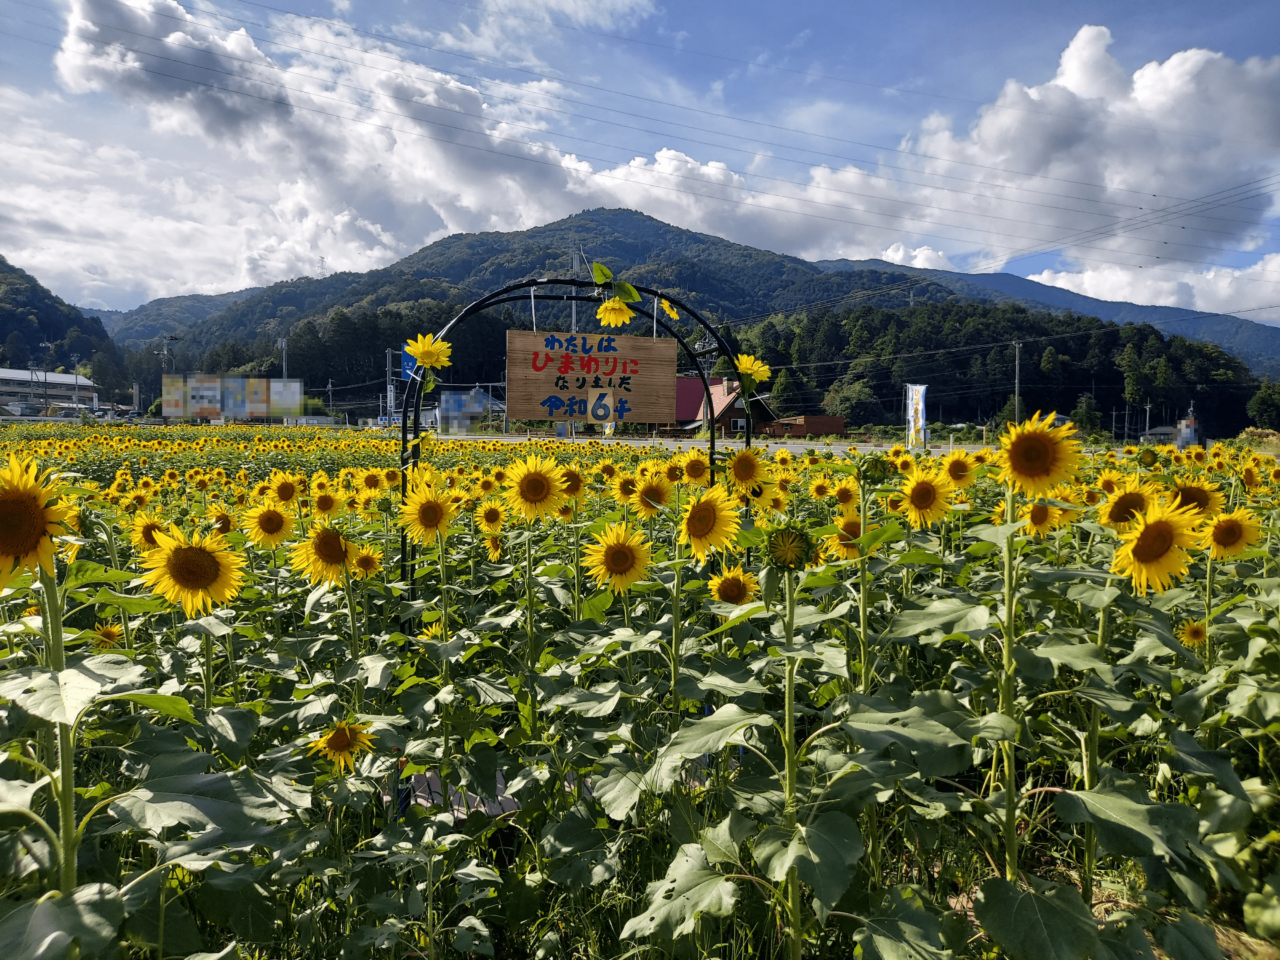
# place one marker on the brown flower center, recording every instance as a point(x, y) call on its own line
point(373, 481)
point(923, 495)
point(1031, 455)
point(222, 524)
point(285, 491)
point(492, 515)
point(1127, 506)
point(1153, 543)
point(21, 524)
point(1227, 533)
point(619, 559)
point(732, 590)
point(1039, 514)
point(339, 741)
point(850, 530)
point(1191, 497)
point(430, 515)
point(193, 568)
point(744, 468)
point(701, 520)
point(329, 547)
point(572, 482)
point(695, 469)
point(534, 488)
point(149, 533)
point(958, 469)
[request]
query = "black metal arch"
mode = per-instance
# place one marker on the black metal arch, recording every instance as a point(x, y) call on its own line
point(410, 448)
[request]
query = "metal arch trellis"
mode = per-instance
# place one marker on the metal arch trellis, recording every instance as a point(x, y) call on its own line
point(410, 446)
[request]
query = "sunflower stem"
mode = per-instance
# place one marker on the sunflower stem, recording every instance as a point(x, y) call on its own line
point(1091, 778)
point(1006, 697)
point(208, 671)
point(795, 932)
point(864, 593)
point(66, 792)
point(1208, 608)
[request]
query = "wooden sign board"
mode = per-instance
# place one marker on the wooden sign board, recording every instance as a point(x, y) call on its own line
point(597, 377)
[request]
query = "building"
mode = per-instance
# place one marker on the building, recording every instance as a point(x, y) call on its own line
point(729, 410)
point(49, 390)
point(690, 399)
point(804, 426)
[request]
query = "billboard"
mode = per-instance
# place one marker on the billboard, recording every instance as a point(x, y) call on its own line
point(915, 415)
point(600, 378)
point(229, 398)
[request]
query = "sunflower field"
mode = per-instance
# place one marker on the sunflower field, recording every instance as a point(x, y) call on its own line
point(275, 694)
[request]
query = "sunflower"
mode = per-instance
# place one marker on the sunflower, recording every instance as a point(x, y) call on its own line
point(840, 545)
point(749, 366)
point(223, 522)
point(1193, 634)
point(926, 497)
point(107, 636)
point(623, 487)
point(30, 517)
point(697, 468)
point(574, 482)
point(618, 558)
point(745, 469)
point(735, 586)
point(367, 562)
point(143, 532)
point(193, 573)
point(371, 480)
point(673, 470)
point(537, 487)
point(959, 468)
point(284, 488)
point(1132, 498)
point(490, 516)
point(1154, 551)
point(323, 556)
point(614, 313)
point(669, 310)
point(845, 492)
point(652, 494)
point(1041, 518)
point(820, 487)
point(790, 548)
point(426, 512)
point(429, 351)
point(494, 545)
point(1036, 455)
point(1204, 495)
point(343, 743)
point(708, 522)
point(267, 525)
point(1231, 534)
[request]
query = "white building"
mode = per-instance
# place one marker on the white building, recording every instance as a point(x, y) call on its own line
point(49, 390)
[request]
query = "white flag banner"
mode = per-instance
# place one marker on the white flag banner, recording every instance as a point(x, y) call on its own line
point(915, 414)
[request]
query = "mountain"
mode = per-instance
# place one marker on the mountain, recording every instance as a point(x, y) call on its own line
point(168, 315)
point(36, 326)
point(1258, 344)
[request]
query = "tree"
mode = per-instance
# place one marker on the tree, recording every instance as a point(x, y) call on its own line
point(785, 397)
point(16, 352)
point(853, 400)
point(1086, 416)
point(1264, 406)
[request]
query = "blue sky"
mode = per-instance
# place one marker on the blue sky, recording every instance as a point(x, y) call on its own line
point(1123, 151)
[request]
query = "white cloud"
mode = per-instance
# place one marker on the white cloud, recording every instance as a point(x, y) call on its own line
point(358, 154)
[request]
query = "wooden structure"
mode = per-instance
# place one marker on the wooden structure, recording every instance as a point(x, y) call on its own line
point(803, 426)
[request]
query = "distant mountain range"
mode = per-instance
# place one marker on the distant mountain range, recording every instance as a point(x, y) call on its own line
point(724, 280)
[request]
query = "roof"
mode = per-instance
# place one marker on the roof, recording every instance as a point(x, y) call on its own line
point(66, 379)
point(690, 398)
point(725, 393)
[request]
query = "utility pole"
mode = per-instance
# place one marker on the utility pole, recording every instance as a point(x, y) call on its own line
point(75, 374)
point(1113, 423)
point(330, 391)
point(1017, 381)
point(1148, 430)
point(283, 344)
point(322, 266)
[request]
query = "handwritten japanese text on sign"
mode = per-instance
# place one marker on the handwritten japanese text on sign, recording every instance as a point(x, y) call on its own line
point(595, 377)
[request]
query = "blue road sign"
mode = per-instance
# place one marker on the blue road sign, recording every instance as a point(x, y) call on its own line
point(407, 365)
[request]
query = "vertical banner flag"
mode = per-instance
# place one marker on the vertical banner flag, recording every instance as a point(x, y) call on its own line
point(915, 414)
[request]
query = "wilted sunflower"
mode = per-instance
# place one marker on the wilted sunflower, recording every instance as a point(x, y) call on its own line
point(367, 562)
point(926, 497)
point(142, 534)
point(426, 512)
point(618, 558)
point(343, 743)
point(268, 525)
point(323, 556)
point(959, 467)
point(490, 516)
point(708, 522)
point(1193, 634)
point(652, 494)
point(745, 469)
point(735, 586)
point(1231, 534)
point(537, 487)
point(790, 547)
point(1155, 550)
point(1036, 455)
point(429, 351)
point(194, 573)
point(30, 517)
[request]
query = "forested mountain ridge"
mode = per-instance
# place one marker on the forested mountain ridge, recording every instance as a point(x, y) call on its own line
point(167, 315)
point(38, 327)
